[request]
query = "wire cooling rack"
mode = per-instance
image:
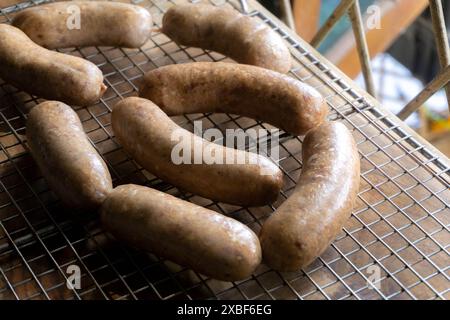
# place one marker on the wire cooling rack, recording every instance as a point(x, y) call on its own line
point(395, 245)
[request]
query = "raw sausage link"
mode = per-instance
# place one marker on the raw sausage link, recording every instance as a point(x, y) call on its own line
point(185, 233)
point(306, 223)
point(250, 91)
point(47, 74)
point(72, 167)
point(244, 39)
point(151, 137)
point(101, 23)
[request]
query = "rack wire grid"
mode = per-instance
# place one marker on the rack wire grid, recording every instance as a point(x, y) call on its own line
point(394, 246)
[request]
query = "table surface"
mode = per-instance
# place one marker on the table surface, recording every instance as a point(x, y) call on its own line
point(399, 227)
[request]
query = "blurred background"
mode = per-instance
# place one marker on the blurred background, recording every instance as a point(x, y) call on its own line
point(401, 42)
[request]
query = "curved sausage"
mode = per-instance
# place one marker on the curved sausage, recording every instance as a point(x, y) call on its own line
point(250, 91)
point(47, 74)
point(245, 39)
point(306, 223)
point(72, 167)
point(152, 139)
point(190, 235)
point(100, 23)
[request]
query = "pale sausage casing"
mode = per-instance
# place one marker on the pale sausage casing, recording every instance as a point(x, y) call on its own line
point(306, 223)
point(250, 91)
point(151, 137)
point(185, 233)
point(47, 74)
point(245, 39)
point(72, 167)
point(85, 23)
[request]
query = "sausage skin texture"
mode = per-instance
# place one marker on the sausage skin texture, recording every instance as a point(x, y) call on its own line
point(187, 234)
point(258, 93)
point(101, 23)
point(306, 223)
point(245, 39)
point(47, 74)
point(151, 137)
point(72, 167)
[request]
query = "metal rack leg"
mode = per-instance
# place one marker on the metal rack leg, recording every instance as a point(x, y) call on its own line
point(440, 81)
point(287, 13)
point(361, 45)
point(337, 14)
point(441, 37)
point(244, 6)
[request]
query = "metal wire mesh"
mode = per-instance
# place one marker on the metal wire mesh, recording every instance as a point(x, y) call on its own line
point(399, 225)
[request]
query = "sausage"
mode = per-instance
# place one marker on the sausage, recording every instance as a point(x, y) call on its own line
point(250, 91)
point(306, 223)
point(153, 139)
point(245, 39)
point(190, 235)
point(47, 74)
point(85, 23)
point(72, 167)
